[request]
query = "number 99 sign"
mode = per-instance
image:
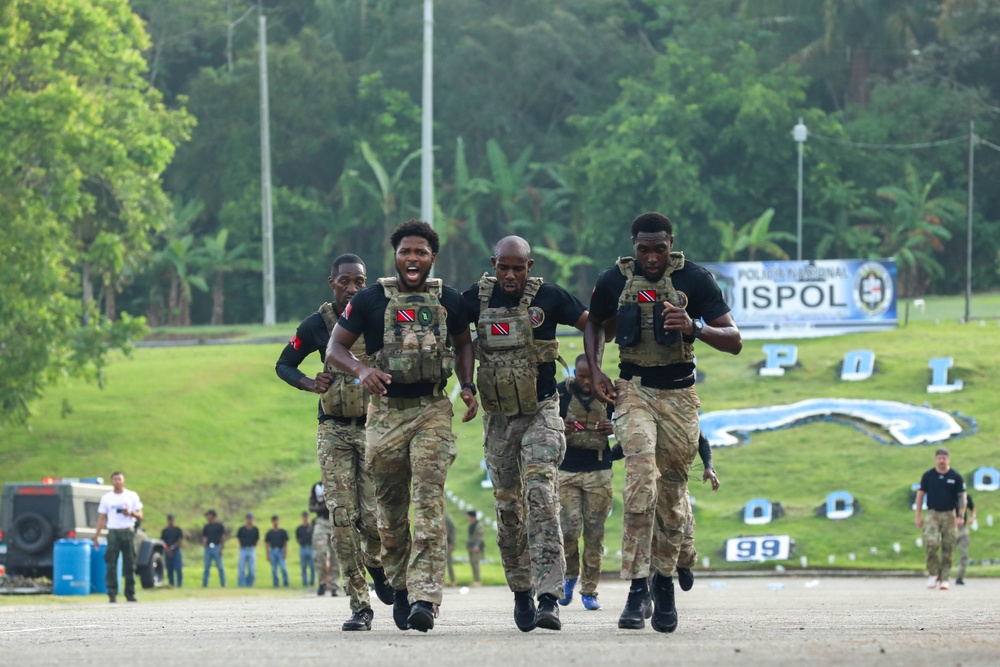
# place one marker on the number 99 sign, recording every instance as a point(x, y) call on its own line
point(758, 548)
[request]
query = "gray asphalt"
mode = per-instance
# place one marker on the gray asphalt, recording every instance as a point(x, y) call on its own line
point(754, 621)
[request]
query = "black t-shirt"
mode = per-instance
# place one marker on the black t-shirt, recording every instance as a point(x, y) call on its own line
point(557, 306)
point(365, 315)
point(942, 489)
point(318, 499)
point(248, 537)
point(171, 535)
point(311, 336)
point(303, 535)
point(578, 459)
point(276, 538)
point(213, 532)
point(703, 298)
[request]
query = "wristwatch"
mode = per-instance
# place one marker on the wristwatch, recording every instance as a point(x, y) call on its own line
point(697, 326)
point(470, 386)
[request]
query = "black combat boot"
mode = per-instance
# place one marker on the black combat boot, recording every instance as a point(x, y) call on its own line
point(383, 590)
point(360, 620)
point(401, 609)
point(664, 610)
point(421, 616)
point(524, 610)
point(685, 577)
point(548, 612)
point(633, 616)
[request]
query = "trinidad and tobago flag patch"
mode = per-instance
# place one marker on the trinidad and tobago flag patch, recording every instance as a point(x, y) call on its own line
point(295, 342)
point(647, 296)
point(579, 426)
point(406, 315)
point(500, 329)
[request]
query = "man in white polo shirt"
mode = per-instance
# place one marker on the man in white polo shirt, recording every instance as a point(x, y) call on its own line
point(119, 510)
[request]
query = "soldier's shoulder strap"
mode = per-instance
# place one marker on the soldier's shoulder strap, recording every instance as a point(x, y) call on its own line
point(531, 287)
point(435, 286)
point(329, 316)
point(486, 285)
point(627, 266)
point(390, 286)
point(676, 262)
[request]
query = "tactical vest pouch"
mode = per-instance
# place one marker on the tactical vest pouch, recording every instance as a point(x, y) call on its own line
point(344, 398)
point(498, 389)
point(629, 325)
point(661, 335)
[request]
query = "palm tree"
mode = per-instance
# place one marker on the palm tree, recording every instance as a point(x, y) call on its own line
point(914, 229)
point(753, 237)
point(219, 260)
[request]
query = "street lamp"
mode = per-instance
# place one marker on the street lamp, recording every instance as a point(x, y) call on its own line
point(799, 133)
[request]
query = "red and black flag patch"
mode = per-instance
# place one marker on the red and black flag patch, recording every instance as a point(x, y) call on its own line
point(500, 329)
point(406, 315)
point(295, 342)
point(579, 426)
point(647, 296)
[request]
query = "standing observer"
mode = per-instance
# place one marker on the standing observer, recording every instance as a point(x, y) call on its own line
point(173, 539)
point(118, 510)
point(944, 489)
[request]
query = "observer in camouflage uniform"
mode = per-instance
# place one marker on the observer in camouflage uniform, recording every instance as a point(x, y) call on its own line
point(516, 318)
point(415, 330)
point(657, 303)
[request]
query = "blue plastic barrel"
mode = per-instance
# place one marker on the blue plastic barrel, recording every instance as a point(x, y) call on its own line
point(71, 567)
point(98, 569)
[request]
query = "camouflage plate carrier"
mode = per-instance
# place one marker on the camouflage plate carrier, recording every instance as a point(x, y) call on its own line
point(508, 353)
point(345, 397)
point(646, 295)
point(415, 345)
point(583, 414)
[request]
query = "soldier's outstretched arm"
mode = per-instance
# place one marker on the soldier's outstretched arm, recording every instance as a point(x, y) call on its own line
point(465, 360)
point(593, 347)
point(339, 354)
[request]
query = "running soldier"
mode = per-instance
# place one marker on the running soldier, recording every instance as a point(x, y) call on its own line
point(515, 318)
point(416, 331)
point(585, 492)
point(325, 560)
point(340, 446)
point(660, 304)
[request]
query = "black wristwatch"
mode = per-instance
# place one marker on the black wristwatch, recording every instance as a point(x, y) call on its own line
point(698, 326)
point(470, 386)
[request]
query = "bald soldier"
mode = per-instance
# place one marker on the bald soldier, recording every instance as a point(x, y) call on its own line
point(515, 318)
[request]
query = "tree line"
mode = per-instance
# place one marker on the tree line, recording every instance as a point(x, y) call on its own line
point(130, 176)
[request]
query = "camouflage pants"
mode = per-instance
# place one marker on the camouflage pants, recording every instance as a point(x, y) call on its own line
point(940, 534)
point(688, 555)
point(523, 454)
point(658, 430)
point(324, 557)
point(350, 497)
point(475, 557)
point(412, 446)
point(963, 550)
point(586, 499)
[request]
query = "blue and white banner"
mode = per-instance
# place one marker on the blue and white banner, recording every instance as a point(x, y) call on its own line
point(810, 298)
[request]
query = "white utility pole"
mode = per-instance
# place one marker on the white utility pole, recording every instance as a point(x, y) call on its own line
point(427, 126)
point(799, 133)
point(267, 223)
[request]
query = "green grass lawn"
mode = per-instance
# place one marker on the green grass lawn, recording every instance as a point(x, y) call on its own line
point(213, 427)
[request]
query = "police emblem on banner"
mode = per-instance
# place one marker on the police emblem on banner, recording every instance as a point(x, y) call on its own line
point(425, 316)
point(537, 316)
point(872, 289)
point(682, 300)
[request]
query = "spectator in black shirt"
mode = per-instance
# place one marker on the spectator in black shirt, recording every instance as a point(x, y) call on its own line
point(173, 539)
point(304, 536)
point(277, 548)
point(213, 538)
point(246, 568)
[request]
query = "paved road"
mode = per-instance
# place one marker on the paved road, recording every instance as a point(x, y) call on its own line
point(828, 621)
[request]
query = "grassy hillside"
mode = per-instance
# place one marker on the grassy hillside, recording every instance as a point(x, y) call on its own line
point(199, 427)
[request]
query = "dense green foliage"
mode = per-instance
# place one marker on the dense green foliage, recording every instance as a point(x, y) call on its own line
point(558, 121)
point(200, 427)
